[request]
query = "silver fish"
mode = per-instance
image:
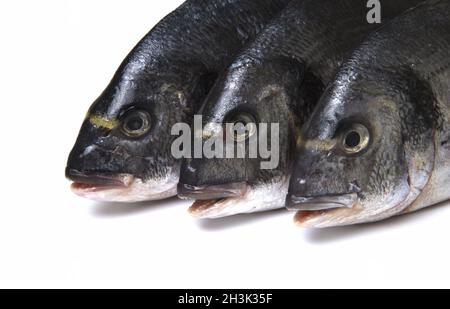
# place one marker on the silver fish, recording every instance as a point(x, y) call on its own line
point(123, 152)
point(277, 79)
point(378, 144)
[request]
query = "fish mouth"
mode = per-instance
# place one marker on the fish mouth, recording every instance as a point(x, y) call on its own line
point(317, 212)
point(214, 202)
point(209, 198)
point(121, 188)
point(200, 208)
point(85, 181)
point(214, 192)
point(301, 203)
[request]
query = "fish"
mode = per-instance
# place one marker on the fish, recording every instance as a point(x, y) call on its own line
point(277, 79)
point(123, 150)
point(378, 143)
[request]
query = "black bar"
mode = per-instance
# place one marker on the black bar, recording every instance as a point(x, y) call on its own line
point(223, 298)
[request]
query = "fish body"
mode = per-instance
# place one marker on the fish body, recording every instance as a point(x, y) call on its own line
point(277, 79)
point(123, 151)
point(378, 143)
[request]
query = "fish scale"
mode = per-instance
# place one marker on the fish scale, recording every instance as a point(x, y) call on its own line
point(304, 43)
point(214, 20)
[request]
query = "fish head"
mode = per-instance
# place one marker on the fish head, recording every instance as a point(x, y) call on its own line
point(122, 153)
point(259, 95)
point(366, 152)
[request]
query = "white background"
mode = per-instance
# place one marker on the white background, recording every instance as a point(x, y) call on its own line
point(55, 59)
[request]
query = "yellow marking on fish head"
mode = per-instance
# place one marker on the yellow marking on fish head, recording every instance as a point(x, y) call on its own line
point(209, 131)
point(100, 121)
point(316, 144)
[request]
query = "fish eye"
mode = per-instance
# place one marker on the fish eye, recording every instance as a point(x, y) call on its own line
point(243, 126)
point(136, 123)
point(355, 139)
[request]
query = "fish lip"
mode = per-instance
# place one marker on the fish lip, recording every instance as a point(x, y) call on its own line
point(207, 197)
point(199, 207)
point(317, 203)
point(214, 192)
point(92, 181)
